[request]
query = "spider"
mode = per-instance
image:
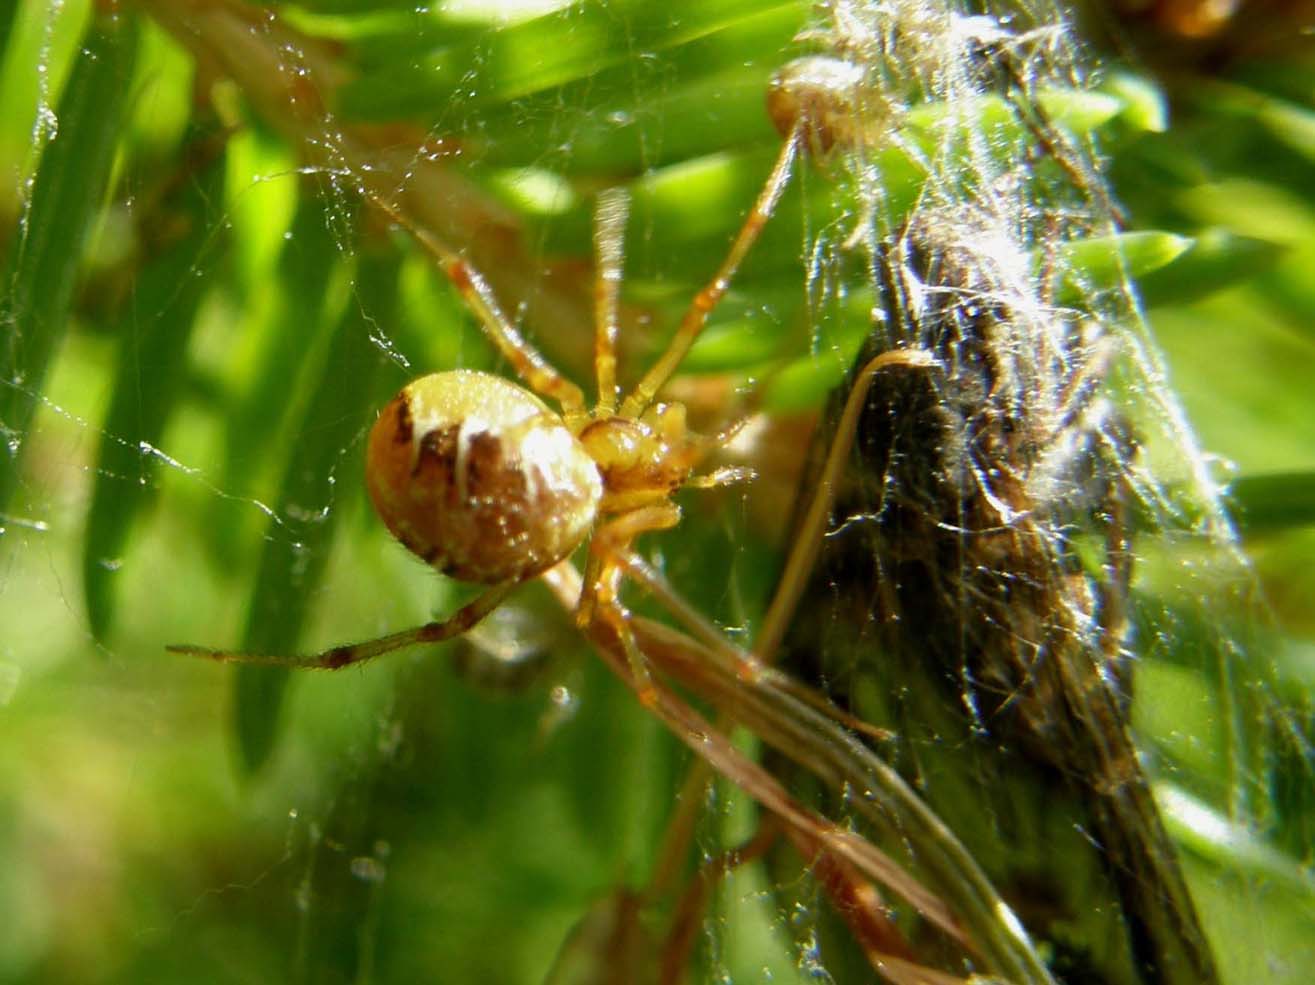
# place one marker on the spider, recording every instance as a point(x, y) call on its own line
point(483, 481)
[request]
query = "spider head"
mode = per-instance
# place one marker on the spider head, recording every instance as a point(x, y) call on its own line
point(642, 460)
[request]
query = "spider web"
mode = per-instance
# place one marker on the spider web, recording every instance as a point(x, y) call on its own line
point(464, 817)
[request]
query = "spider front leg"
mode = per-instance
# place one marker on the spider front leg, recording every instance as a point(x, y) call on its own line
point(353, 653)
point(696, 315)
point(478, 296)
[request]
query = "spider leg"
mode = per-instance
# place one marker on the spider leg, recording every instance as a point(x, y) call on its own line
point(612, 612)
point(353, 653)
point(727, 475)
point(609, 235)
point(602, 595)
point(528, 362)
point(609, 548)
point(696, 316)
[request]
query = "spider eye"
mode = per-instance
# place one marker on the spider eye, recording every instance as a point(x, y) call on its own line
point(479, 479)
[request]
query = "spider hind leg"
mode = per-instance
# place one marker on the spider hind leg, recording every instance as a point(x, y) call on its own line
point(601, 600)
point(335, 658)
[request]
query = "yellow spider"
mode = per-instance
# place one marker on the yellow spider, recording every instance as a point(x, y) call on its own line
point(485, 482)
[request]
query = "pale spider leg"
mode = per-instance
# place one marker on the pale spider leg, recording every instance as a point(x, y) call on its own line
point(808, 543)
point(584, 609)
point(609, 238)
point(353, 653)
point(526, 360)
point(727, 475)
point(696, 316)
point(602, 596)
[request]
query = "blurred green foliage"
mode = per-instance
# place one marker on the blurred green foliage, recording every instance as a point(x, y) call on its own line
point(199, 317)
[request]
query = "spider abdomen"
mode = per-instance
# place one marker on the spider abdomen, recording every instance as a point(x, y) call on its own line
point(479, 478)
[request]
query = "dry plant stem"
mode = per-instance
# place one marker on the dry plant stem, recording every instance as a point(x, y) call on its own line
point(852, 897)
point(980, 921)
point(858, 904)
point(679, 943)
point(724, 675)
point(868, 927)
point(749, 666)
point(812, 529)
point(671, 652)
point(814, 834)
point(975, 916)
point(897, 971)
